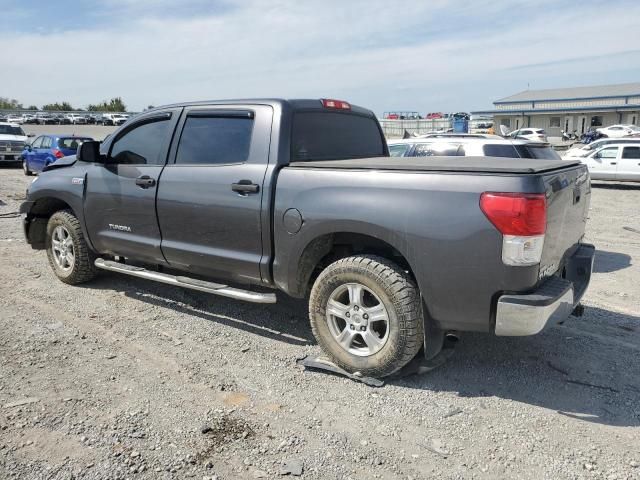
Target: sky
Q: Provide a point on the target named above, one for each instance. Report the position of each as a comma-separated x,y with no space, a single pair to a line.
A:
425,56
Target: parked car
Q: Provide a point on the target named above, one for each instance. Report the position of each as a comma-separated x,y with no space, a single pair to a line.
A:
76,119
15,119
12,141
617,131
434,115
580,150
471,146
616,161
533,134
46,149
326,215
31,119
46,119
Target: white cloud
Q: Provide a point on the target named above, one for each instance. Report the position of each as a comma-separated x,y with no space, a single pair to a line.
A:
385,55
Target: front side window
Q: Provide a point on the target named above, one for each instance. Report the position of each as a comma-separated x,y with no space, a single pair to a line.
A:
215,140
631,152
46,142
37,143
609,152
142,145
398,150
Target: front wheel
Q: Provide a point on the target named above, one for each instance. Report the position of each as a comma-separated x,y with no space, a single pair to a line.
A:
366,315
67,250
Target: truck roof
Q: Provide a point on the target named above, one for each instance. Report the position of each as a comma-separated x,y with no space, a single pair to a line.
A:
294,104
444,164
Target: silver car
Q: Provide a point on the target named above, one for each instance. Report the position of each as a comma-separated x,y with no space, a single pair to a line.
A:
615,161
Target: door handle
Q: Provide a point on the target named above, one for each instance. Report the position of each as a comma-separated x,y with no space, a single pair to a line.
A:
245,187
614,163
145,181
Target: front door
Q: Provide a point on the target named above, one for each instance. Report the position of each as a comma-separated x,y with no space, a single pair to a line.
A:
603,164
30,154
211,193
629,164
120,211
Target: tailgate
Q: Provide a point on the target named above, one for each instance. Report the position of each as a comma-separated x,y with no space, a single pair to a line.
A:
568,194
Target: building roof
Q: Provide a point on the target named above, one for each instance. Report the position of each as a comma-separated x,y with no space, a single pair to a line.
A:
597,91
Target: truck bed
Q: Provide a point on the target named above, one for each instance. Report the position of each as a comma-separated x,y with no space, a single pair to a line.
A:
444,164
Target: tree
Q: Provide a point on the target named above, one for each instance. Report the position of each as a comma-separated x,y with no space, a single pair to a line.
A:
60,107
10,104
32,107
114,105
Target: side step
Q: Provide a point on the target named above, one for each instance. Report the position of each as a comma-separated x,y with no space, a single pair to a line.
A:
186,282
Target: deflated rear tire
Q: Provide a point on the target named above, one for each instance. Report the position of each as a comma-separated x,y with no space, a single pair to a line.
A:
366,315
67,250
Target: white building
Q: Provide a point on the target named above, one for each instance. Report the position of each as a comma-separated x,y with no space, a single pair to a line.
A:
568,109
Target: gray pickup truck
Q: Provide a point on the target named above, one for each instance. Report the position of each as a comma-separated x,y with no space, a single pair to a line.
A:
242,198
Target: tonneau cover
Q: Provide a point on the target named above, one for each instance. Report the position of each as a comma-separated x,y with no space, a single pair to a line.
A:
444,164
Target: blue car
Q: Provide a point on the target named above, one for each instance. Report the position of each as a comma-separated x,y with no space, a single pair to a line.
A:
46,149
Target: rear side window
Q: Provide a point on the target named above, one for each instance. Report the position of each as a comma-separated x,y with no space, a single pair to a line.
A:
437,149
496,150
46,142
530,151
334,136
142,145
631,152
215,140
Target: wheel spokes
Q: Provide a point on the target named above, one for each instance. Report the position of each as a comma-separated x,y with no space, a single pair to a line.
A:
377,314
345,338
337,309
356,294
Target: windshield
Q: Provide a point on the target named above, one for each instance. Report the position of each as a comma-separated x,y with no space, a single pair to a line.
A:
11,130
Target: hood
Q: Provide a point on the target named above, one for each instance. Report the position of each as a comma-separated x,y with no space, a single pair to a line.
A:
61,163
13,138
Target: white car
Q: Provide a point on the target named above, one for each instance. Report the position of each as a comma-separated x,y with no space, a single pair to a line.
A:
580,150
12,141
532,134
15,119
617,131
76,119
619,162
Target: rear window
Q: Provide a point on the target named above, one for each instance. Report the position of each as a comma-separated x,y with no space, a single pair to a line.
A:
72,143
398,150
438,149
334,136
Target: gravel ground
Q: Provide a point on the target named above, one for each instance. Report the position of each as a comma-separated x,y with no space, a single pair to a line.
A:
124,378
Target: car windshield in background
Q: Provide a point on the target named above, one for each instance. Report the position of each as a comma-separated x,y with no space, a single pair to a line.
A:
11,130
72,142
334,136
521,151
398,150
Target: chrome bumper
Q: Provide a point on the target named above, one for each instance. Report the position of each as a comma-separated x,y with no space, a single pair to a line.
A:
551,303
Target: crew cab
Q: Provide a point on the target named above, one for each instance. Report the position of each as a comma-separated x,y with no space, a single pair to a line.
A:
12,142
247,198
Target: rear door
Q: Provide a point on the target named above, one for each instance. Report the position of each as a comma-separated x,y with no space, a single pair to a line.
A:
210,195
629,164
120,198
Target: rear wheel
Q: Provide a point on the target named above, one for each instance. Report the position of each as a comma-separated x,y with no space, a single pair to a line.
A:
25,167
67,250
365,313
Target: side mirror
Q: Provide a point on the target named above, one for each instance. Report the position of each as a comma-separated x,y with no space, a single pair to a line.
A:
90,152
597,155
31,134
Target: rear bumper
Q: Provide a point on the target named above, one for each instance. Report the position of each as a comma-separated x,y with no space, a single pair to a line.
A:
551,303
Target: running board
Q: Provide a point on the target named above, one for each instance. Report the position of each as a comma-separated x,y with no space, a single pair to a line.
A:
186,282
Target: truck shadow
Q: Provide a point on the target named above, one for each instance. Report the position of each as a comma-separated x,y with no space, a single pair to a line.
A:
280,322
607,262
587,369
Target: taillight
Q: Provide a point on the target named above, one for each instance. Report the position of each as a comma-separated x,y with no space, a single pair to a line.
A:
522,220
339,104
57,153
